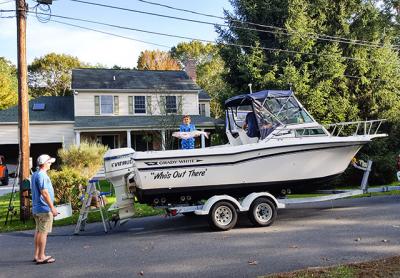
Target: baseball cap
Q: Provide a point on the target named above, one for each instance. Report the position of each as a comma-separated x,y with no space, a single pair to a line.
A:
44,158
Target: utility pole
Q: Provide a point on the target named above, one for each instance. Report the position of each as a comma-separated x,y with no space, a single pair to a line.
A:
23,108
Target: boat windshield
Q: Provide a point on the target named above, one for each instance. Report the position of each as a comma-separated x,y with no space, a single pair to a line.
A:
287,110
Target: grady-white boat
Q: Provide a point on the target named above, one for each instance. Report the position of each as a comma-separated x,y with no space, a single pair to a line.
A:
292,150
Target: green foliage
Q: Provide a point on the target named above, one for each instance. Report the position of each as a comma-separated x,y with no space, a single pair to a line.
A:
87,158
336,81
67,183
8,84
50,75
210,69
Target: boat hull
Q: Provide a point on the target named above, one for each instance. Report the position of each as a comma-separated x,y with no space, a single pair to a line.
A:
237,171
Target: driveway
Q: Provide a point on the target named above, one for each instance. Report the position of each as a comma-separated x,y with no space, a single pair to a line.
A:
317,234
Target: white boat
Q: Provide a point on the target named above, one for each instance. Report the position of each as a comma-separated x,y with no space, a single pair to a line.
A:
291,150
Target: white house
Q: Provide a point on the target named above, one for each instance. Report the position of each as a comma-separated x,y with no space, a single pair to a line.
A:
117,108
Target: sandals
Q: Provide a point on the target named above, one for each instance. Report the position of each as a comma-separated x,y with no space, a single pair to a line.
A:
48,260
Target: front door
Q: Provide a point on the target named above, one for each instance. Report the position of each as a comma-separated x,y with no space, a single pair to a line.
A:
111,141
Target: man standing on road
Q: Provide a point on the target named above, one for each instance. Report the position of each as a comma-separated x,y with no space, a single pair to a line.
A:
42,208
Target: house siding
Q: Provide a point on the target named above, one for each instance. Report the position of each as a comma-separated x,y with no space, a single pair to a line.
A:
39,133
84,102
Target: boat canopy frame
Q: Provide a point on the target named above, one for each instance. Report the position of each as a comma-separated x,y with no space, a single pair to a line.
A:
268,107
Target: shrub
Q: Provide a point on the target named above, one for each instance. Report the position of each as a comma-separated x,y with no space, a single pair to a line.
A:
87,158
66,183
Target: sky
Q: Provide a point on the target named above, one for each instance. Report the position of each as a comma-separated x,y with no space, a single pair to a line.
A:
96,48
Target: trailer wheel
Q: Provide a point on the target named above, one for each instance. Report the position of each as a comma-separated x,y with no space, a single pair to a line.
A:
262,212
223,216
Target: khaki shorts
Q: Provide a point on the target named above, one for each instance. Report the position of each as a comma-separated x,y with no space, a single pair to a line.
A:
44,222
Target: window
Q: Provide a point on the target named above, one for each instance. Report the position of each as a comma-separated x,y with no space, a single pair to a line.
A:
140,105
202,109
170,104
106,104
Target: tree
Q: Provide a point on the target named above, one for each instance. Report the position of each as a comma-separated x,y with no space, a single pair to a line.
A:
336,80
156,60
50,75
209,70
8,84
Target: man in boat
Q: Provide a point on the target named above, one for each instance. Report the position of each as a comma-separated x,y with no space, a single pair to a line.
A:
187,126
251,124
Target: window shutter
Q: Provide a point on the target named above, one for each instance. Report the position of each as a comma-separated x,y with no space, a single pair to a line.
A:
96,105
163,105
179,105
148,105
116,105
130,104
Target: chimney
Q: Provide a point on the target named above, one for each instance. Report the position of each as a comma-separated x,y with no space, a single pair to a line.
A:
190,68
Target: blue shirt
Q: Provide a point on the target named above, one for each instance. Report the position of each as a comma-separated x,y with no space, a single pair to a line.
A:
252,125
40,180
187,144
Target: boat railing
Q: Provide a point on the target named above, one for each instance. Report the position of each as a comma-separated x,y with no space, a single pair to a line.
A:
355,128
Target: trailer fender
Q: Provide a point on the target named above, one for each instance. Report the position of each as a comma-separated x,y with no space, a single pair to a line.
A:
210,202
246,203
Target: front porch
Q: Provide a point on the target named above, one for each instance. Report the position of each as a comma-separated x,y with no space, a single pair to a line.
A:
139,140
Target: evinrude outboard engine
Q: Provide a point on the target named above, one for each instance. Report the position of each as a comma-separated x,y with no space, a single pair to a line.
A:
119,170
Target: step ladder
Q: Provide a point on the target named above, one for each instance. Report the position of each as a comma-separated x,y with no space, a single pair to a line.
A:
91,193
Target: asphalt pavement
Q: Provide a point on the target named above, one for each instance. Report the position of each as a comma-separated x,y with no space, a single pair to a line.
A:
309,235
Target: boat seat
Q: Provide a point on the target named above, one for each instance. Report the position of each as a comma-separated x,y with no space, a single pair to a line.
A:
245,138
234,140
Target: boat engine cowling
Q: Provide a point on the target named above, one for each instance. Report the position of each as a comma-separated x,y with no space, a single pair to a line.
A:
119,167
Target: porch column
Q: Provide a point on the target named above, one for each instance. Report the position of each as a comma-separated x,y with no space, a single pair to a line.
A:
163,139
128,139
77,138
203,140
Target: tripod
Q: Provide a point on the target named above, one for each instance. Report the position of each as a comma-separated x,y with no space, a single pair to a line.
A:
11,210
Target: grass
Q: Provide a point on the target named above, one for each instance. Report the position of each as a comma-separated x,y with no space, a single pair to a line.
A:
17,225
389,267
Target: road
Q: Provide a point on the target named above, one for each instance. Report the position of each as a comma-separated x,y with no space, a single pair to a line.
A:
317,234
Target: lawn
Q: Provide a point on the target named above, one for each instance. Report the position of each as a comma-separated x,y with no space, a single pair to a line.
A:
17,225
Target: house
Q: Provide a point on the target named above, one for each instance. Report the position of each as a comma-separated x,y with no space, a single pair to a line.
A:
118,108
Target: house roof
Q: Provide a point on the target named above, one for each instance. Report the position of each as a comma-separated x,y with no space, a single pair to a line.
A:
203,95
115,122
55,109
98,79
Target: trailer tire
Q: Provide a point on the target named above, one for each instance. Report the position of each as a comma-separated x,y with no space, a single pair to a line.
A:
262,212
223,216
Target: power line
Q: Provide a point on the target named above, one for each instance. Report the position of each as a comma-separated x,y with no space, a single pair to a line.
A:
316,35
203,40
165,46
5,2
108,33
7,11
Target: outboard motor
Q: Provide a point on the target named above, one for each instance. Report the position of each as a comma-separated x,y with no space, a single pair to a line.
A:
119,170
